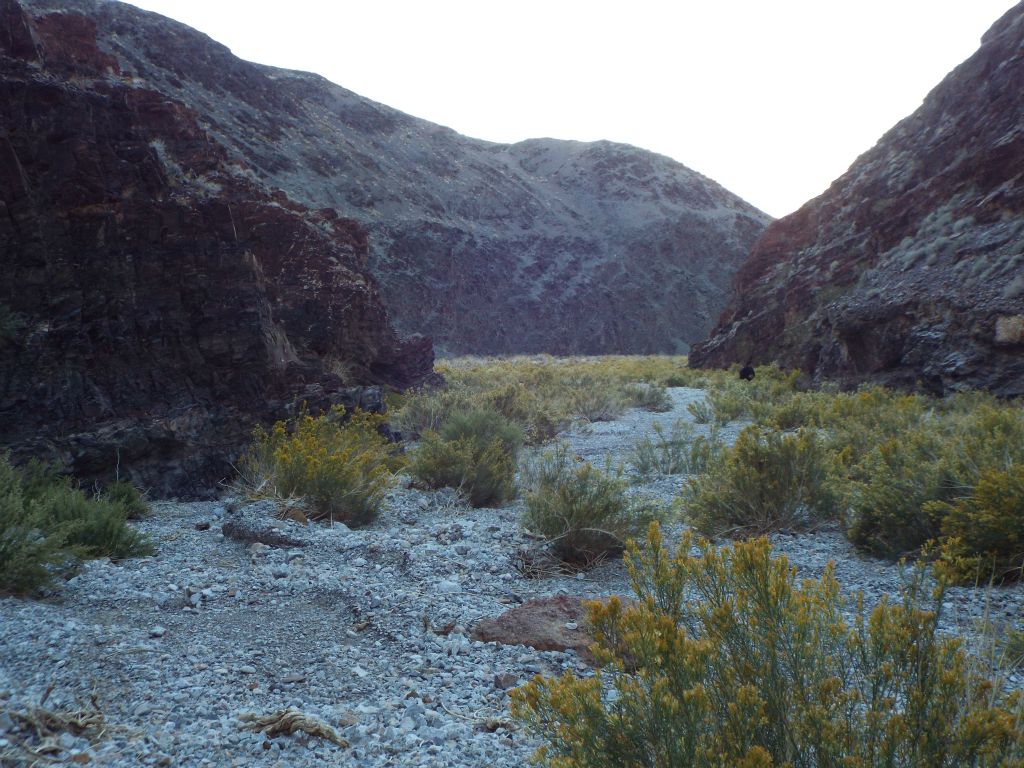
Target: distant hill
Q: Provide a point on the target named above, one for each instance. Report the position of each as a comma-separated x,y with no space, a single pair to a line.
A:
545,245
910,268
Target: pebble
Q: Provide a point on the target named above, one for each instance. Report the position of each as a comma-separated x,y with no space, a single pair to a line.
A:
257,629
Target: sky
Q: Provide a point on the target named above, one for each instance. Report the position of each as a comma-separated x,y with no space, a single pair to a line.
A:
772,99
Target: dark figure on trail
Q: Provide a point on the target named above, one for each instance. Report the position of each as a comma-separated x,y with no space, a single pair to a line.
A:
747,372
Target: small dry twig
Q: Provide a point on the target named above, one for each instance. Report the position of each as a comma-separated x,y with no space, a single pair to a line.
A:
285,722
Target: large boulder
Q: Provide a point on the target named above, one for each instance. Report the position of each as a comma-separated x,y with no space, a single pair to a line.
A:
910,268
156,298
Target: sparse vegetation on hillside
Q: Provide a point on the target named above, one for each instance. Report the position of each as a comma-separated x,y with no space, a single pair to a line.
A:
725,659
47,525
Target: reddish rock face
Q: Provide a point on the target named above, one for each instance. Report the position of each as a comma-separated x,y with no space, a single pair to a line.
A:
910,268
541,246
547,624
156,300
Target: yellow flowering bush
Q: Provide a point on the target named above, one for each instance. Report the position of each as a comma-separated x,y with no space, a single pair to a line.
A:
340,469
724,659
983,534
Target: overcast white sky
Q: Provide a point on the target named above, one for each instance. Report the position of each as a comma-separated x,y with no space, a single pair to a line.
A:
773,99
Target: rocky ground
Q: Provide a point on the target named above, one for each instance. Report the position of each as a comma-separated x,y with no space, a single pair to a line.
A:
369,631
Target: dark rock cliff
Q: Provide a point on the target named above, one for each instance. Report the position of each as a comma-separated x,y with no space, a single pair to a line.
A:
910,268
545,245
156,300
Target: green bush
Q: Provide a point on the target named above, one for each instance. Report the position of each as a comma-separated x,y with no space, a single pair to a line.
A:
724,659
47,525
127,496
768,480
584,513
525,408
983,534
595,401
681,451
339,469
888,512
649,396
475,452
702,411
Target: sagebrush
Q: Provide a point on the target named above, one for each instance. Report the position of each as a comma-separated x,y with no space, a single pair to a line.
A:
583,512
476,452
725,659
338,466
48,525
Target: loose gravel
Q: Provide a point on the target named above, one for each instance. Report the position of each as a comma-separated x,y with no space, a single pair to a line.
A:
366,630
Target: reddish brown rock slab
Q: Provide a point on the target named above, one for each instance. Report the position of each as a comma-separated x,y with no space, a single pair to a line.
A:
548,624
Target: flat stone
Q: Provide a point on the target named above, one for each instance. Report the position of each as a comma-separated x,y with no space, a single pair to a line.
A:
547,624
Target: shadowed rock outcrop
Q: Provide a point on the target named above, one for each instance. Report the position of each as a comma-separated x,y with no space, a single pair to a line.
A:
156,298
910,268
545,245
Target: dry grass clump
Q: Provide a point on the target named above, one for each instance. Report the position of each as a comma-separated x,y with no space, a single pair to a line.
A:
679,451
340,469
48,525
725,659
583,513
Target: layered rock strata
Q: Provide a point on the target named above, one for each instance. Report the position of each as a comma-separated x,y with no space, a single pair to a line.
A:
542,246
910,268
156,298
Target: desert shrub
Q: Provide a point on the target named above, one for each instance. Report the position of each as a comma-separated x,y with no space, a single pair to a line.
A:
525,408
905,485
594,401
340,469
680,451
888,513
724,659
1012,649
983,534
475,452
766,481
564,388
47,525
127,496
649,396
584,513
32,550
483,426
425,410
702,411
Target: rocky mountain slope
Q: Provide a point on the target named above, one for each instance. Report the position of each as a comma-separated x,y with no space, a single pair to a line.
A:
911,266
155,299
546,245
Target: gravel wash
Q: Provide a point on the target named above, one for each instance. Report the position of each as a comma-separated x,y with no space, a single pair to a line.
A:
366,630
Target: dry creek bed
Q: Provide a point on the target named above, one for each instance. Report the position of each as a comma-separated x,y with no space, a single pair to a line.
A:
366,630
